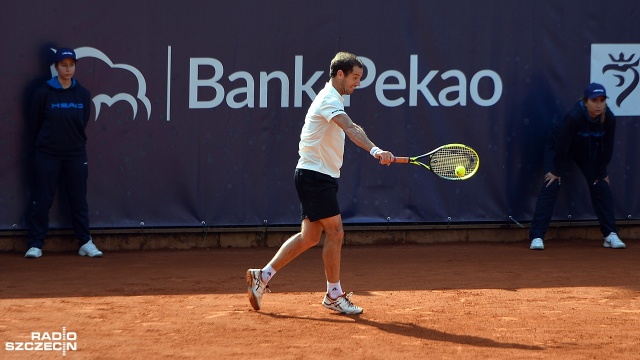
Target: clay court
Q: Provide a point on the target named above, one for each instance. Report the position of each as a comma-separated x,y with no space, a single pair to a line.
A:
465,300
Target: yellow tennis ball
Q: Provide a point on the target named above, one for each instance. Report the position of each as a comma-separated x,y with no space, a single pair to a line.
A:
460,171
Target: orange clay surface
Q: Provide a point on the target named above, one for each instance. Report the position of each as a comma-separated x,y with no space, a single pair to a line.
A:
574,300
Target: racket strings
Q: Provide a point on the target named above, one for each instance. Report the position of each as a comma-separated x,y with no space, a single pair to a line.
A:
445,161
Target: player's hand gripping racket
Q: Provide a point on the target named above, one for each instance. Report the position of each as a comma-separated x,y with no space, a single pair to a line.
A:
450,162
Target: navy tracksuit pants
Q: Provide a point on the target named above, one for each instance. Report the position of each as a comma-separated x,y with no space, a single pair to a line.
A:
50,170
601,200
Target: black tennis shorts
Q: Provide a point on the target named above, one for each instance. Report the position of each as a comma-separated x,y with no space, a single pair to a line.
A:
318,194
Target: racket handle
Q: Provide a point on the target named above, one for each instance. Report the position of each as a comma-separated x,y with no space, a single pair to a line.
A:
401,159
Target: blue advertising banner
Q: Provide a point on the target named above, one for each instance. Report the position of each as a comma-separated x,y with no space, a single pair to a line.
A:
197,107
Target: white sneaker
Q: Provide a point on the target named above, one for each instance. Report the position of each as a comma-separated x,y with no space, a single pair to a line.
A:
537,244
33,253
341,304
614,242
255,287
90,250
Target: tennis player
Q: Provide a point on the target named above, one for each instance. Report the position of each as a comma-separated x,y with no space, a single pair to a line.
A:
321,150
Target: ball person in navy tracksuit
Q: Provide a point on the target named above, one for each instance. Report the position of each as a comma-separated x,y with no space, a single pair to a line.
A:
59,115
585,136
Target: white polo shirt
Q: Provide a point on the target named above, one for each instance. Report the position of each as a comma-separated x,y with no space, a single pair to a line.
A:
321,145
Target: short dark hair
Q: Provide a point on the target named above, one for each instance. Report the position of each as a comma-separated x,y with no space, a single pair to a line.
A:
344,61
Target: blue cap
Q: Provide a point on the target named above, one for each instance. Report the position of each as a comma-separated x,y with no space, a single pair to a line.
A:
65,53
594,90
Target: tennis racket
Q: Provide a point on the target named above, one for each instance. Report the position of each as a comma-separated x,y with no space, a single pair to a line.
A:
450,162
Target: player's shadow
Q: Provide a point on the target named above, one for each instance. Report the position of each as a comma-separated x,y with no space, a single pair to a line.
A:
415,331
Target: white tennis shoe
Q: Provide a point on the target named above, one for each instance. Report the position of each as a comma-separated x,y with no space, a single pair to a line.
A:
613,241
537,244
33,253
342,304
89,249
255,287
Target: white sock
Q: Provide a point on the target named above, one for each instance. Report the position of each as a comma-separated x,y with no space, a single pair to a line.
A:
334,289
267,273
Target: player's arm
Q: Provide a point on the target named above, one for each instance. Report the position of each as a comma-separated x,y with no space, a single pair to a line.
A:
360,138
